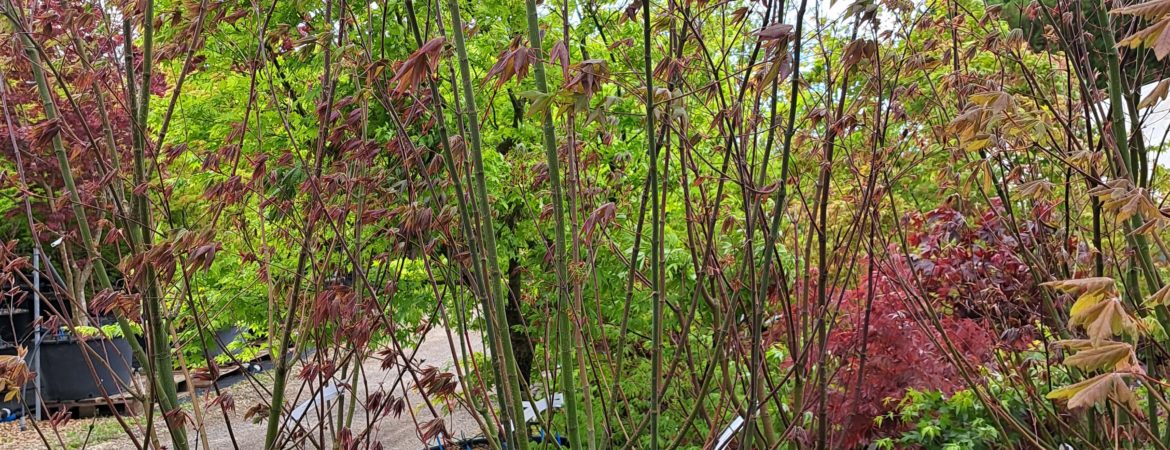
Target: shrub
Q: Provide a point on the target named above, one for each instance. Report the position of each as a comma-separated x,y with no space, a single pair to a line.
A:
970,274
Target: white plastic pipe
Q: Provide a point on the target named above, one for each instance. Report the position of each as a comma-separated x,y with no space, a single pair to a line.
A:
728,433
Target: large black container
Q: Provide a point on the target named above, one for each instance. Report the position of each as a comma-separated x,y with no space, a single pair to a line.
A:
224,337
15,325
66,376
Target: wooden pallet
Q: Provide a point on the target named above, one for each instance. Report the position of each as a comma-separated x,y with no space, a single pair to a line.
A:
224,370
203,383
123,404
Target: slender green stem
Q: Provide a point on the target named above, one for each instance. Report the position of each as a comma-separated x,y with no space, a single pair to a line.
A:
460,200
169,398
778,208
513,411
280,378
655,225
564,330
159,342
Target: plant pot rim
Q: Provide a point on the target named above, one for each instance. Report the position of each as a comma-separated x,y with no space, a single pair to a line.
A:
69,338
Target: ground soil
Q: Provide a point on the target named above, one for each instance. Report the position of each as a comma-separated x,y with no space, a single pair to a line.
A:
393,433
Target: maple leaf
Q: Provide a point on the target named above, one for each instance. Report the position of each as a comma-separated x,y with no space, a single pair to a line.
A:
1086,301
1082,286
739,14
43,132
540,102
1112,355
1156,95
560,54
1162,297
775,32
14,374
1098,308
587,77
1156,36
1150,227
1102,318
1112,188
1125,200
1137,203
1036,189
1073,344
600,217
859,50
513,62
1097,390
225,401
420,65
1148,10
433,429
995,101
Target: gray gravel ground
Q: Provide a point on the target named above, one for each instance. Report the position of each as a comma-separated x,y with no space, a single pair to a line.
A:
393,433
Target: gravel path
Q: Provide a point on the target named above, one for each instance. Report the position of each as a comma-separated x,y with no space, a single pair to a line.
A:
393,433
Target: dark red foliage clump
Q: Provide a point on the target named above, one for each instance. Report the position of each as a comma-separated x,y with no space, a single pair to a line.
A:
902,350
79,59
970,276
977,270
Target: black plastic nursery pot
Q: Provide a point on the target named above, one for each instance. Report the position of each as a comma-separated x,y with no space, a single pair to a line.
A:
66,375
224,337
15,324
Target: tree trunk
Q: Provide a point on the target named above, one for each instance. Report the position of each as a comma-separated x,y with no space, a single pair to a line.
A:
521,345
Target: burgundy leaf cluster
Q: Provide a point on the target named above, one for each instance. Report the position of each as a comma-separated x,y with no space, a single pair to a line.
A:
970,273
